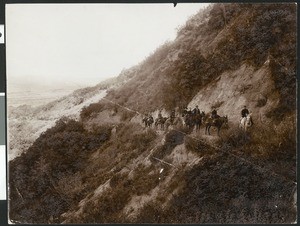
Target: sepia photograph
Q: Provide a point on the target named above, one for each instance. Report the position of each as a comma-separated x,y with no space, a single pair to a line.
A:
178,113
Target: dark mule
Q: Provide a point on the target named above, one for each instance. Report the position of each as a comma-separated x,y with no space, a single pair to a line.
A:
160,121
216,122
198,120
148,121
191,120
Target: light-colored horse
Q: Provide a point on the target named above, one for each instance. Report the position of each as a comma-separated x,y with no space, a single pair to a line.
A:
246,122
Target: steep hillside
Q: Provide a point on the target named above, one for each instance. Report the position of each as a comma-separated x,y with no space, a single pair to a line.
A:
233,89
104,166
213,42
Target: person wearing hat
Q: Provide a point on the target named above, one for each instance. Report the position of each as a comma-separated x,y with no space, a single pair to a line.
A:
185,111
214,114
159,114
196,111
172,115
244,112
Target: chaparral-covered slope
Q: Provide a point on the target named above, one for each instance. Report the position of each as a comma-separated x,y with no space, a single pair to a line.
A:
107,168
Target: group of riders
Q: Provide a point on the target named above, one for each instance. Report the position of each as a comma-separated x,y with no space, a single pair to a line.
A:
190,117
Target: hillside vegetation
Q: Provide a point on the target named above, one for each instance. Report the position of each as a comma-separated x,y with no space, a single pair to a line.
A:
220,39
105,167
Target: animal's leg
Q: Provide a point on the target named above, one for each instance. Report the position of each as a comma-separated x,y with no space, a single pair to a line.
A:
207,130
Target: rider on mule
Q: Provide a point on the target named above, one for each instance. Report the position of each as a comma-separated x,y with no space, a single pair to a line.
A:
150,119
245,112
159,114
214,115
160,118
172,116
185,111
196,111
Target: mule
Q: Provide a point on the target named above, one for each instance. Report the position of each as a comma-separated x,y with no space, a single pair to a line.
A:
216,122
192,120
198,120
188,121
148,121
160,121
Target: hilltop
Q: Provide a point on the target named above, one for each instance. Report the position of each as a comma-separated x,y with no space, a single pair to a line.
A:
101,165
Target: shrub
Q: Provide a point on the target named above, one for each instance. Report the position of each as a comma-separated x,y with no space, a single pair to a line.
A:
233,138
275,141
94,108
262,101
141,141
41,174
150,213
143,182
224,189
172,139
198,146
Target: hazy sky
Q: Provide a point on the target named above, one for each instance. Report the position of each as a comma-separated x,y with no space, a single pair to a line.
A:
85,43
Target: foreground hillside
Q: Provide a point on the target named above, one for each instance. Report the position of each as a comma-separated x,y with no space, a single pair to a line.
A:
104,166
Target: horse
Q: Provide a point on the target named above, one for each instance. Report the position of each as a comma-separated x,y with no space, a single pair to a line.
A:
246,122
216,122
188,120
191,120
148,121
198,120
160,121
